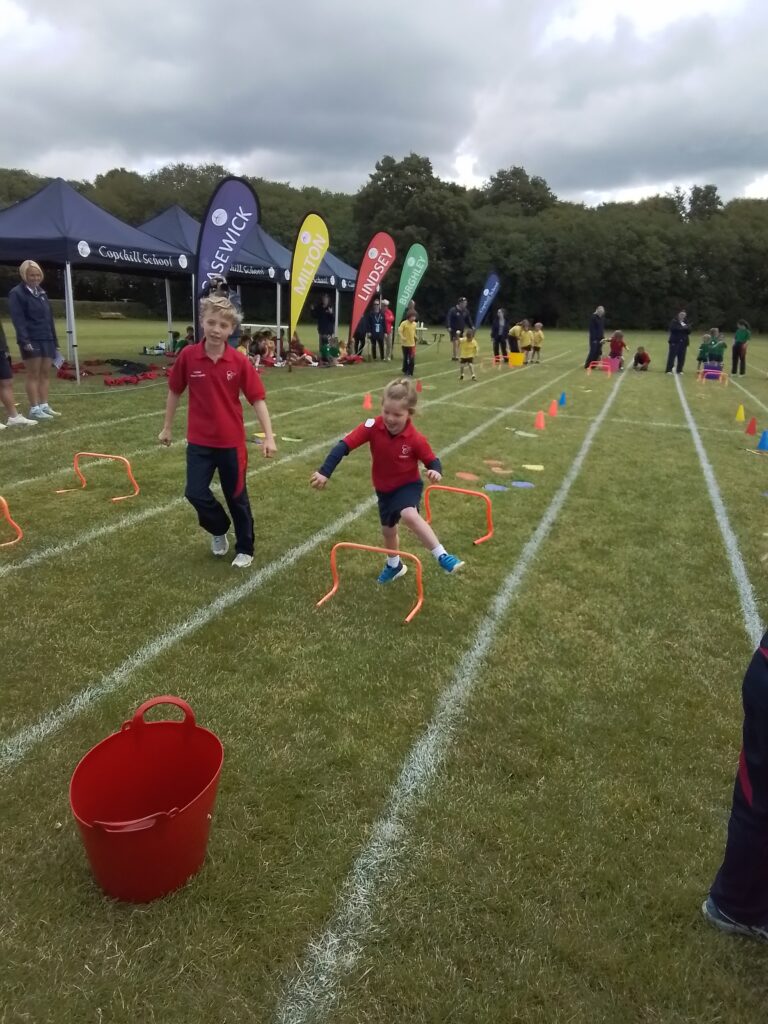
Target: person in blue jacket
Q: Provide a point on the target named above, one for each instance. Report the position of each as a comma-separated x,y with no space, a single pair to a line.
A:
32,319
679,338
376,329
458,320
499,332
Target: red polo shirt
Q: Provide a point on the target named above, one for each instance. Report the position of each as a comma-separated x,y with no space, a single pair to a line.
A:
395,460
215,417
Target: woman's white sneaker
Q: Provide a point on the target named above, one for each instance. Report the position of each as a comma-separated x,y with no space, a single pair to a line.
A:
242,561
49,410
20,421
37,412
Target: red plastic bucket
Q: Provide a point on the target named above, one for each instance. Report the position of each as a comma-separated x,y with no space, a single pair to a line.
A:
143,800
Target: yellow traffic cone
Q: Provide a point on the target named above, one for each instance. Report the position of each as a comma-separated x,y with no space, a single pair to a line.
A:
740,415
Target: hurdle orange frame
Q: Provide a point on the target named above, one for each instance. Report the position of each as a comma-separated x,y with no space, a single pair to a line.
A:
712,374
382,551
7,516
102,455
462,490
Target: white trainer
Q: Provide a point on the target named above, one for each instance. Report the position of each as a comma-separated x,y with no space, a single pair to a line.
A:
2,426
219,545
242,561
20,421
51,412
39,413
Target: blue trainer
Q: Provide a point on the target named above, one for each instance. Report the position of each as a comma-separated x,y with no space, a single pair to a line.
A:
449,562
721,920
392,572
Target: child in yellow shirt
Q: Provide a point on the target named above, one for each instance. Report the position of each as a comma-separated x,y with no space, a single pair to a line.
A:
538,341
407,335
467,353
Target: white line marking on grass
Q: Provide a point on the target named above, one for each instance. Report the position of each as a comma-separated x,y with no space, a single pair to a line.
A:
752,622
16,747
45,434
754,398
97,533
311,994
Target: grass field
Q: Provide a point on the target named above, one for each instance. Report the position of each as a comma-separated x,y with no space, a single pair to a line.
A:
508,811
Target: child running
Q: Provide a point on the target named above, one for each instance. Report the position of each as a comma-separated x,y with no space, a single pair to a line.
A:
467,353
618,347
215,374
396,450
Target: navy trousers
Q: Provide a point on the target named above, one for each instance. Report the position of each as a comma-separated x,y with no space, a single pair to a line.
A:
741,886
677,351
595,353
231,464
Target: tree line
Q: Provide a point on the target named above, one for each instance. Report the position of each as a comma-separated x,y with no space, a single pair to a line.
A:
557,260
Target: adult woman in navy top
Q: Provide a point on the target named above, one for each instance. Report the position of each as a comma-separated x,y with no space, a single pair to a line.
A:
499,332
36,336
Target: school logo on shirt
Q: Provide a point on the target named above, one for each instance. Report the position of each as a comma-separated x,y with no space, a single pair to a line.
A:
405,452
231,374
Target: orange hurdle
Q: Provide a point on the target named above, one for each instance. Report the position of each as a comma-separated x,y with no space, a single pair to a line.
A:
462,490
101,455
381,551
7,516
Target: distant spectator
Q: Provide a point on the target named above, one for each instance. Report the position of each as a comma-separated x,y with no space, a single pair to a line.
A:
679,338
389,323
458,320
189,337
36,336
740,341
323,315
499,332
596,336
407,331
376,329
359,335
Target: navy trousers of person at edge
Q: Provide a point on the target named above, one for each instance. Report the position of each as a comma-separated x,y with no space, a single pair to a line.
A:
202,463
741,887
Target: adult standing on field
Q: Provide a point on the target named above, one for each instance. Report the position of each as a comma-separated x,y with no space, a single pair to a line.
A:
36,336
458,320
499,332
596,336
740,340
679,337
323,315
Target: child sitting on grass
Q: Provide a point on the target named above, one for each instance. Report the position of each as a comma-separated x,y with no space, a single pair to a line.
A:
396,450
642,360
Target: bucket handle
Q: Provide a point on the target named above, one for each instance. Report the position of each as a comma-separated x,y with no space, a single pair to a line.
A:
138,715
139,824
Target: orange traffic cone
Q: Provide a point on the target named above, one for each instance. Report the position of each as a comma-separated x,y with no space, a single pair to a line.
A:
751,427
419,386
538,423
368,401
553,408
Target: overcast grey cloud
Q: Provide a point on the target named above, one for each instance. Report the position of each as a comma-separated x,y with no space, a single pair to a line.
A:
600,97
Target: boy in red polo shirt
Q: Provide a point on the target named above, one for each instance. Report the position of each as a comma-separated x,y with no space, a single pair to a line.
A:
397,448
215,374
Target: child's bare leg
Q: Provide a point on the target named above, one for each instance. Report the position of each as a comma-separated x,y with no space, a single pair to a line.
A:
423,531
391,538
6,397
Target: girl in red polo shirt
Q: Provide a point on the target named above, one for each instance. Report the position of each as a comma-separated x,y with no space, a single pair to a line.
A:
396,450
215,374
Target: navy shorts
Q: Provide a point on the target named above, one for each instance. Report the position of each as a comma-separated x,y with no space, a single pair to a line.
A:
39,350
392,503
6,373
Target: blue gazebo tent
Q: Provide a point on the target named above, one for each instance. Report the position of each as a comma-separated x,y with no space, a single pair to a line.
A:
59,226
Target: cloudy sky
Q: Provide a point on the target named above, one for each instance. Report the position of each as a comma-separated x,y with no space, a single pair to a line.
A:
603,98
